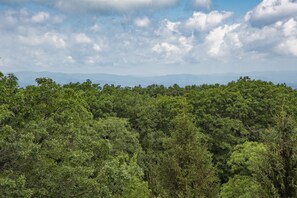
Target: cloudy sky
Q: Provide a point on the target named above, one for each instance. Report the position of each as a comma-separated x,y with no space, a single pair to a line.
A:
148,37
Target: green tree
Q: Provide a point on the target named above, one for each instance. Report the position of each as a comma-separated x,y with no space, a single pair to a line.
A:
187,169
248,168
242,187
271,164
281,141
121,176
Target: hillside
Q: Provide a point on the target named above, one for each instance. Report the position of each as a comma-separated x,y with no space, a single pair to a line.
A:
28,78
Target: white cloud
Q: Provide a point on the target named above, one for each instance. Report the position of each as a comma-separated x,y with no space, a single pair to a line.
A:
170,44
54,39
180,47
22,17
202,3
290,28
69,59
223,38
168,29
186,43
48,38
100,5
111,5
113,44
166,48
142,22
278,39
172,26
289,46
203,22
40,17
97,47
270,11
95,28
82,38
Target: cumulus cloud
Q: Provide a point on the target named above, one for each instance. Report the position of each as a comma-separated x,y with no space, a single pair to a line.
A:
100,5
97,47
202,22
289,46
168,29
270,11
13,1
48,38
166,48
171,45
142,22
171,26
107,41
69,59
15,18
181,46
40,17
201,3
186,43
82,38
95,28
223,38
290,27
279,38
111,5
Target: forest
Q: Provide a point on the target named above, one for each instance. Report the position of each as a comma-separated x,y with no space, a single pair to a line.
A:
237,140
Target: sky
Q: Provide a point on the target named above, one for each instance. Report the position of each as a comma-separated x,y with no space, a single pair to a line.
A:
148,37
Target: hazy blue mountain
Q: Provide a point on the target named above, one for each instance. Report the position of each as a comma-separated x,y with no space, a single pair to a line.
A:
28,78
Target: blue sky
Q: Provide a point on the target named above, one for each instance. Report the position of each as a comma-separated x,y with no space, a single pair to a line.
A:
148,37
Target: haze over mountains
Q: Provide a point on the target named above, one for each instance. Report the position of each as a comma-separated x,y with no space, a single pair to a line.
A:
28,78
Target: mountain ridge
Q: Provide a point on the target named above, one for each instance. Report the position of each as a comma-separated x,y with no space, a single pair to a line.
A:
28,78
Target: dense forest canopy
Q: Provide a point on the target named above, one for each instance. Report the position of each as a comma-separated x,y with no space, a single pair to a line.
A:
87,140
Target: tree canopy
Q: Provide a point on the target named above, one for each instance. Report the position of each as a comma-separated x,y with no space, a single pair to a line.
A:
88,140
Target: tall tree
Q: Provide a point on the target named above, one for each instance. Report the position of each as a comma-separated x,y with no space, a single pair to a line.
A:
271,166
187,169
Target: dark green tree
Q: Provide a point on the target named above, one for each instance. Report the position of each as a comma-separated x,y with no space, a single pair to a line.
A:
187,169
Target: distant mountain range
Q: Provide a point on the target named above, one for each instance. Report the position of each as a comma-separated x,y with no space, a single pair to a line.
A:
28,78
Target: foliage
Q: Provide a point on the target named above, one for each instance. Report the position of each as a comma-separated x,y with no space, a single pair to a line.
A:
87,140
